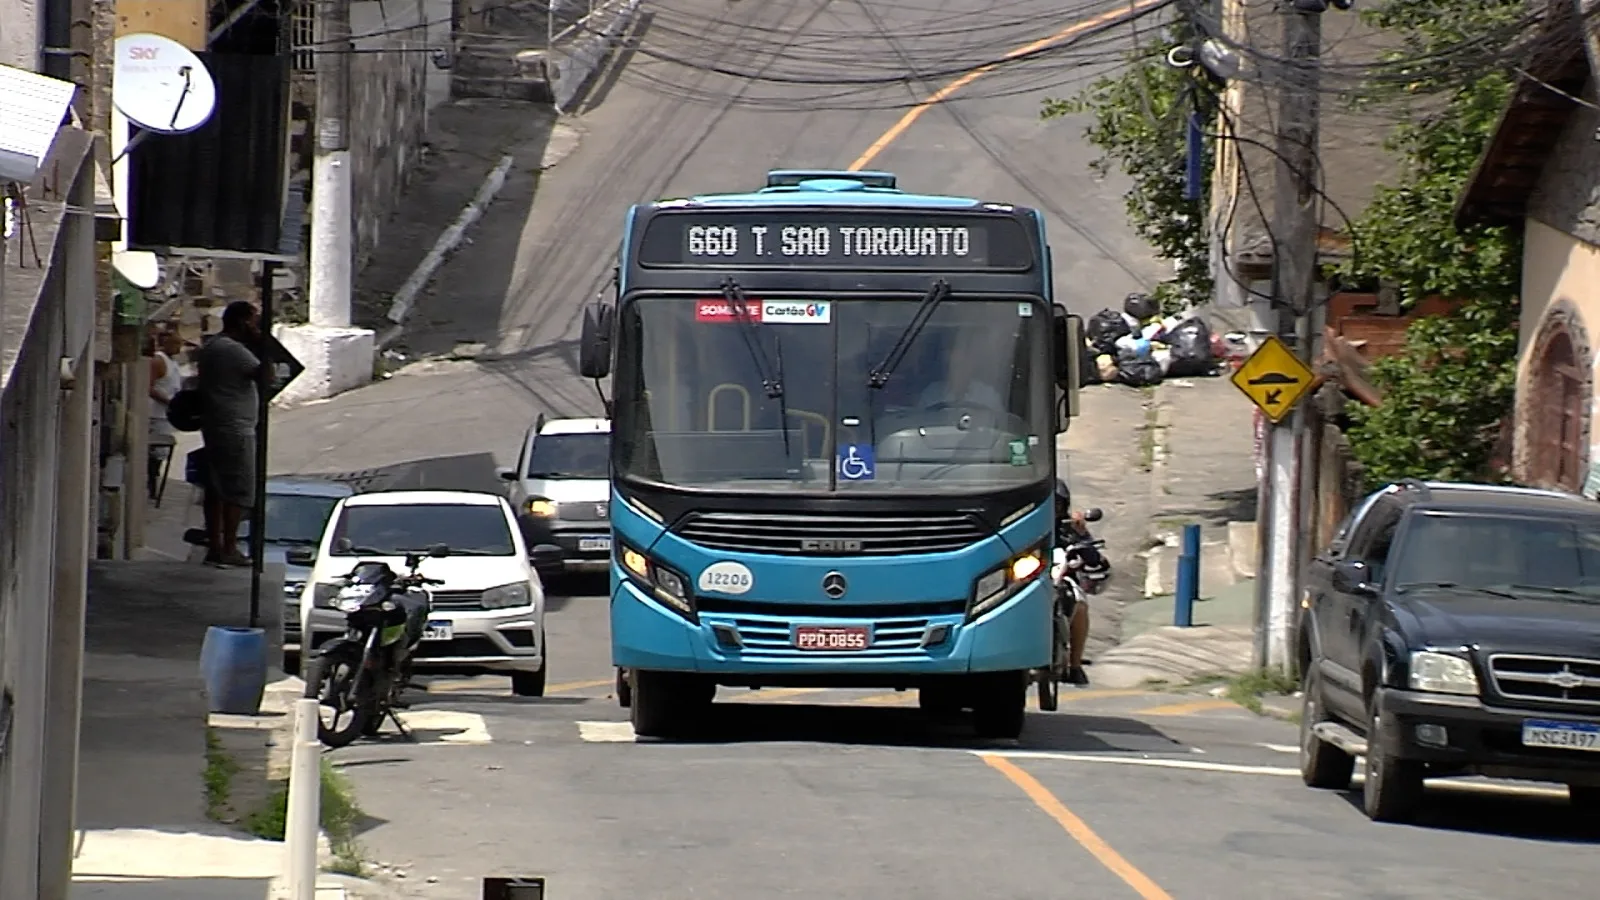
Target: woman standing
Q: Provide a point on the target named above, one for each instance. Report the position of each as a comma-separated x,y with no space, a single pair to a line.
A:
165,380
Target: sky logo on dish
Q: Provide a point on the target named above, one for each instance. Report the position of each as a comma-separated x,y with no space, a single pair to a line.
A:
791,312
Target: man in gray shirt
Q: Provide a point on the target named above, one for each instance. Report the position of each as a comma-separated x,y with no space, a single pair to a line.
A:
229,374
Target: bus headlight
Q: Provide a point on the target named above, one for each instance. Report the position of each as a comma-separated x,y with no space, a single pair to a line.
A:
997,585
664,583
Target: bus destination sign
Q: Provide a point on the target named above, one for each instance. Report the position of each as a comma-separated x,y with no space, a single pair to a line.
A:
836,239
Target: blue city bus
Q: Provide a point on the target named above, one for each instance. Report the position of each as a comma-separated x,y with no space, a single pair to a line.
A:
834,407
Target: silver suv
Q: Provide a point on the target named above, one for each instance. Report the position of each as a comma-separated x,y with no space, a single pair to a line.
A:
561,489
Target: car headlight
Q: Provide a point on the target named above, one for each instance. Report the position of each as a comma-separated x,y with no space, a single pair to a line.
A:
508,595
293,589
1442,673
664,583
997,585
539,507
323,594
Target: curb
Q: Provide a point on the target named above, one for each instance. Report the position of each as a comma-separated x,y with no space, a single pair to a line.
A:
572,68
405,298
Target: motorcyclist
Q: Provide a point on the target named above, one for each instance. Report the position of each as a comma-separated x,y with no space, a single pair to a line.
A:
1073,527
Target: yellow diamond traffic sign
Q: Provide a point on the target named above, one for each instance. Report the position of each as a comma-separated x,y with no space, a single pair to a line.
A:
1274,378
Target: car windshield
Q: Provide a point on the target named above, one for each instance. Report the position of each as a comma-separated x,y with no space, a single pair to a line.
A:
570,456
1522,555
294,518
394,530
705,399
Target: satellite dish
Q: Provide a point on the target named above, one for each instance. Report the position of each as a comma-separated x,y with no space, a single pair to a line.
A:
141,267
160,86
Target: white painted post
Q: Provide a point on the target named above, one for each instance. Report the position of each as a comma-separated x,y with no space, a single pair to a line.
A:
303,820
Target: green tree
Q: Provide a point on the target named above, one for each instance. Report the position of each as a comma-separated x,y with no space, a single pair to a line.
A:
1450,388
1138,120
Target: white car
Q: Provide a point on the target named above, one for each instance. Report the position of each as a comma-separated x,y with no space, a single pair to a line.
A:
488,616
561,488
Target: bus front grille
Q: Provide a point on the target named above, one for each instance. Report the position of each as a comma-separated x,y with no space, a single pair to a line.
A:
807,534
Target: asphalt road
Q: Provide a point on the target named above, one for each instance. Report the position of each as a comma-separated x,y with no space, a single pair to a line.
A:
831,793
855,794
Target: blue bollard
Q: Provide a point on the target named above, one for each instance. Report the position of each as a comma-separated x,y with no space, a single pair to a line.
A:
233,662
1187,590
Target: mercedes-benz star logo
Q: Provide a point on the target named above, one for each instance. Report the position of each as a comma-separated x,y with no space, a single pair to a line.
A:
834,585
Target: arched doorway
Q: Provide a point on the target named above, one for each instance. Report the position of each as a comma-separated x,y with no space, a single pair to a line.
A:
1558,414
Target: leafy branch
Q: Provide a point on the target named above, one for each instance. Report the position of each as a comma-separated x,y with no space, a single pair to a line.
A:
1448,391
1138,120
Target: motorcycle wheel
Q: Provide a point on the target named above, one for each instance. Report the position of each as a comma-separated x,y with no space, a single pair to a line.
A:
335,682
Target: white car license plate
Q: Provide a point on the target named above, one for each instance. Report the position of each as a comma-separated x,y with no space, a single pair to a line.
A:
1561,735
439,630
594,543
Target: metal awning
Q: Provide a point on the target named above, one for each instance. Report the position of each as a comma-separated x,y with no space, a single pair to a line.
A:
34,107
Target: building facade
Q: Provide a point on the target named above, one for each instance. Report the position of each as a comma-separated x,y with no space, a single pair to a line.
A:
1541,174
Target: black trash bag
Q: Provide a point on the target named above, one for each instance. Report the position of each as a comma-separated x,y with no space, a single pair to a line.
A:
1139,372
1191,349
1104,328
1141,306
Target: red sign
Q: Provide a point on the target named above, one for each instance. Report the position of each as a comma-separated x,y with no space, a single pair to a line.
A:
720,310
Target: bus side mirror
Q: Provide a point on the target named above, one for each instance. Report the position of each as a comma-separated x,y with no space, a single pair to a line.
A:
1067,357
594,349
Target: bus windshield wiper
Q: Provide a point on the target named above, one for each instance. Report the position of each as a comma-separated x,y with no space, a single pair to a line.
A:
879,376
772,384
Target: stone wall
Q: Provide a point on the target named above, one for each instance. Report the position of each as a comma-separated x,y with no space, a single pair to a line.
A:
388,111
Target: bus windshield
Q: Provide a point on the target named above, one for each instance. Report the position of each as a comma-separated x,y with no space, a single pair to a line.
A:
782,399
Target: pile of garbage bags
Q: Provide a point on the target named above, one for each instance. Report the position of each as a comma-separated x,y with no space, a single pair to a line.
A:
1140,347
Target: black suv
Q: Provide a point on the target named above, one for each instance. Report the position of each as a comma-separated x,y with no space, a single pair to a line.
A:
1454,629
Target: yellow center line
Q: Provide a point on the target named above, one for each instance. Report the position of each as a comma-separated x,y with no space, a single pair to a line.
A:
1080,832
1066,696
1071,31
568,686
474,686
1189,708
771,694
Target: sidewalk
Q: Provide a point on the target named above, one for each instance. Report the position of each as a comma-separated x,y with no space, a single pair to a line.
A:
148,786
1202,472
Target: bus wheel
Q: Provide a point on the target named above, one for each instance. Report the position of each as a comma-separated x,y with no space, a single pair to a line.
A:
1000,703
667,704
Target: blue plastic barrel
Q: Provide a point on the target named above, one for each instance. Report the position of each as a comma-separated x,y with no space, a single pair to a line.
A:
233,662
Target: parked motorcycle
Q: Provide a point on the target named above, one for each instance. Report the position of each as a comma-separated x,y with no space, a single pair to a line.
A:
1077,569
362,673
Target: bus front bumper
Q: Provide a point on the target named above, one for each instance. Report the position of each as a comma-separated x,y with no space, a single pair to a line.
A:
748,646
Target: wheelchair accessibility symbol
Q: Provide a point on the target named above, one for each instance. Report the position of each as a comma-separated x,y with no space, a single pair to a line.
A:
855,462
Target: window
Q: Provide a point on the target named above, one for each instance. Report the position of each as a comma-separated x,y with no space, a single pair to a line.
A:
385,530
1375,537
294,518
570,456
1509,553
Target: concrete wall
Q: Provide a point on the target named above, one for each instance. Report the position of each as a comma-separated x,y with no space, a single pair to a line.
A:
46,317
388,110
20,21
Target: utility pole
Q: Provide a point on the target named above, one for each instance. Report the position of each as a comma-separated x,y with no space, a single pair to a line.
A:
331,252
1295,227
